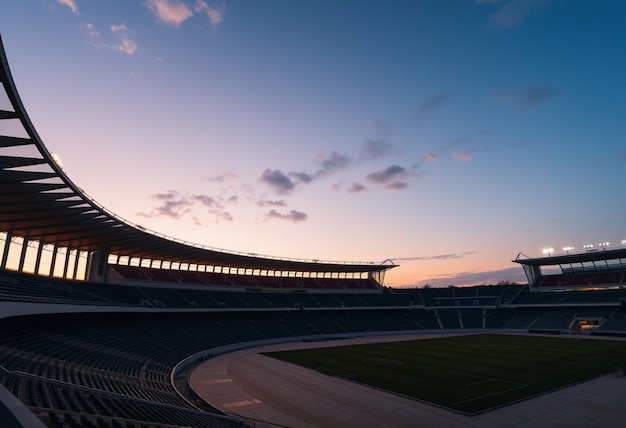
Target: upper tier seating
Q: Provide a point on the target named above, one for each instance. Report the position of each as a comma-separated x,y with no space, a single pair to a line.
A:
143,274
608,297
586,279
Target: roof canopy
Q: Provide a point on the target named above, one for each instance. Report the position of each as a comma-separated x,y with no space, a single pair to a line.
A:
39,202
569,259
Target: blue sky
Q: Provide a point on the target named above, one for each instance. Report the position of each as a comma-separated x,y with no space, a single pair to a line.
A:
446,135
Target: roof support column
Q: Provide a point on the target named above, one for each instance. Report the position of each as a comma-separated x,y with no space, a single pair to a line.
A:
66,263
5,251
53,262
20,267
76,263
38,257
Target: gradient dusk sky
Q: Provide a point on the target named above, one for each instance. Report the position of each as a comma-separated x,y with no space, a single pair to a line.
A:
446,135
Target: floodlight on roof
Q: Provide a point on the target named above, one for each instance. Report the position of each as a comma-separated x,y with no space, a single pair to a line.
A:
568,249
57,160
623,241
604,244
588,246
548,251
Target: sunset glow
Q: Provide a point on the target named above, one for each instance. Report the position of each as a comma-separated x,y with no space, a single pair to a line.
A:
447,136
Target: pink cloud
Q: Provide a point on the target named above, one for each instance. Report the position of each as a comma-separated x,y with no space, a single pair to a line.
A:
171,12
215,15
71,4
126,44
429,157
91,29
464,156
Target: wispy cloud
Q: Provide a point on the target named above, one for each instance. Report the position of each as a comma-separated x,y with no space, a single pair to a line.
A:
375,149
463,156
278,181
393,177
292,216
512,12
433,103
450,256
176,205
123,43
171,12
352,187
428,157
215,14
379,127
326,165
171,204
491,277
71,4
271,203
356,188
302,177
332,163
222,177
91,30
175,12
528,97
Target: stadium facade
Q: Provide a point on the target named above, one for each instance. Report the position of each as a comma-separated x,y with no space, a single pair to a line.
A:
101,320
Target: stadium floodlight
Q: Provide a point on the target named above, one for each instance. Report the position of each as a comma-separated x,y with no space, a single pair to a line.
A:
56,160
568,249
548,251
588,246
623,241
604,245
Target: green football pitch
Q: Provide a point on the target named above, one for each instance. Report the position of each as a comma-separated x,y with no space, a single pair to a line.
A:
470,373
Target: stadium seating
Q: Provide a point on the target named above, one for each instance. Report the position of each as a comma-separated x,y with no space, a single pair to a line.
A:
575,279
94,369
135,275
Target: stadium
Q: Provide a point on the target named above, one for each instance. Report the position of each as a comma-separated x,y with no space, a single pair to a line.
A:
107,324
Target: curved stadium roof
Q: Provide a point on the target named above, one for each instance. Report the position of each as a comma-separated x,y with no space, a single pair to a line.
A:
575,258
39,202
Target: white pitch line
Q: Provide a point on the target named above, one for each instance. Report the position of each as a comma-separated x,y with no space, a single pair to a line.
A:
521,385
483,381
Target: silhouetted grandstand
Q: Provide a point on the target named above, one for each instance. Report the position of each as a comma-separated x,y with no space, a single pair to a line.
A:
101,320
605,268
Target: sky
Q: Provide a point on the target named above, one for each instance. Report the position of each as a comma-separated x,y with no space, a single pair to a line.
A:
446,135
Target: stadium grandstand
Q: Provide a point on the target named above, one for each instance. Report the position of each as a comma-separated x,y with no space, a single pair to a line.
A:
593,268
102,321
